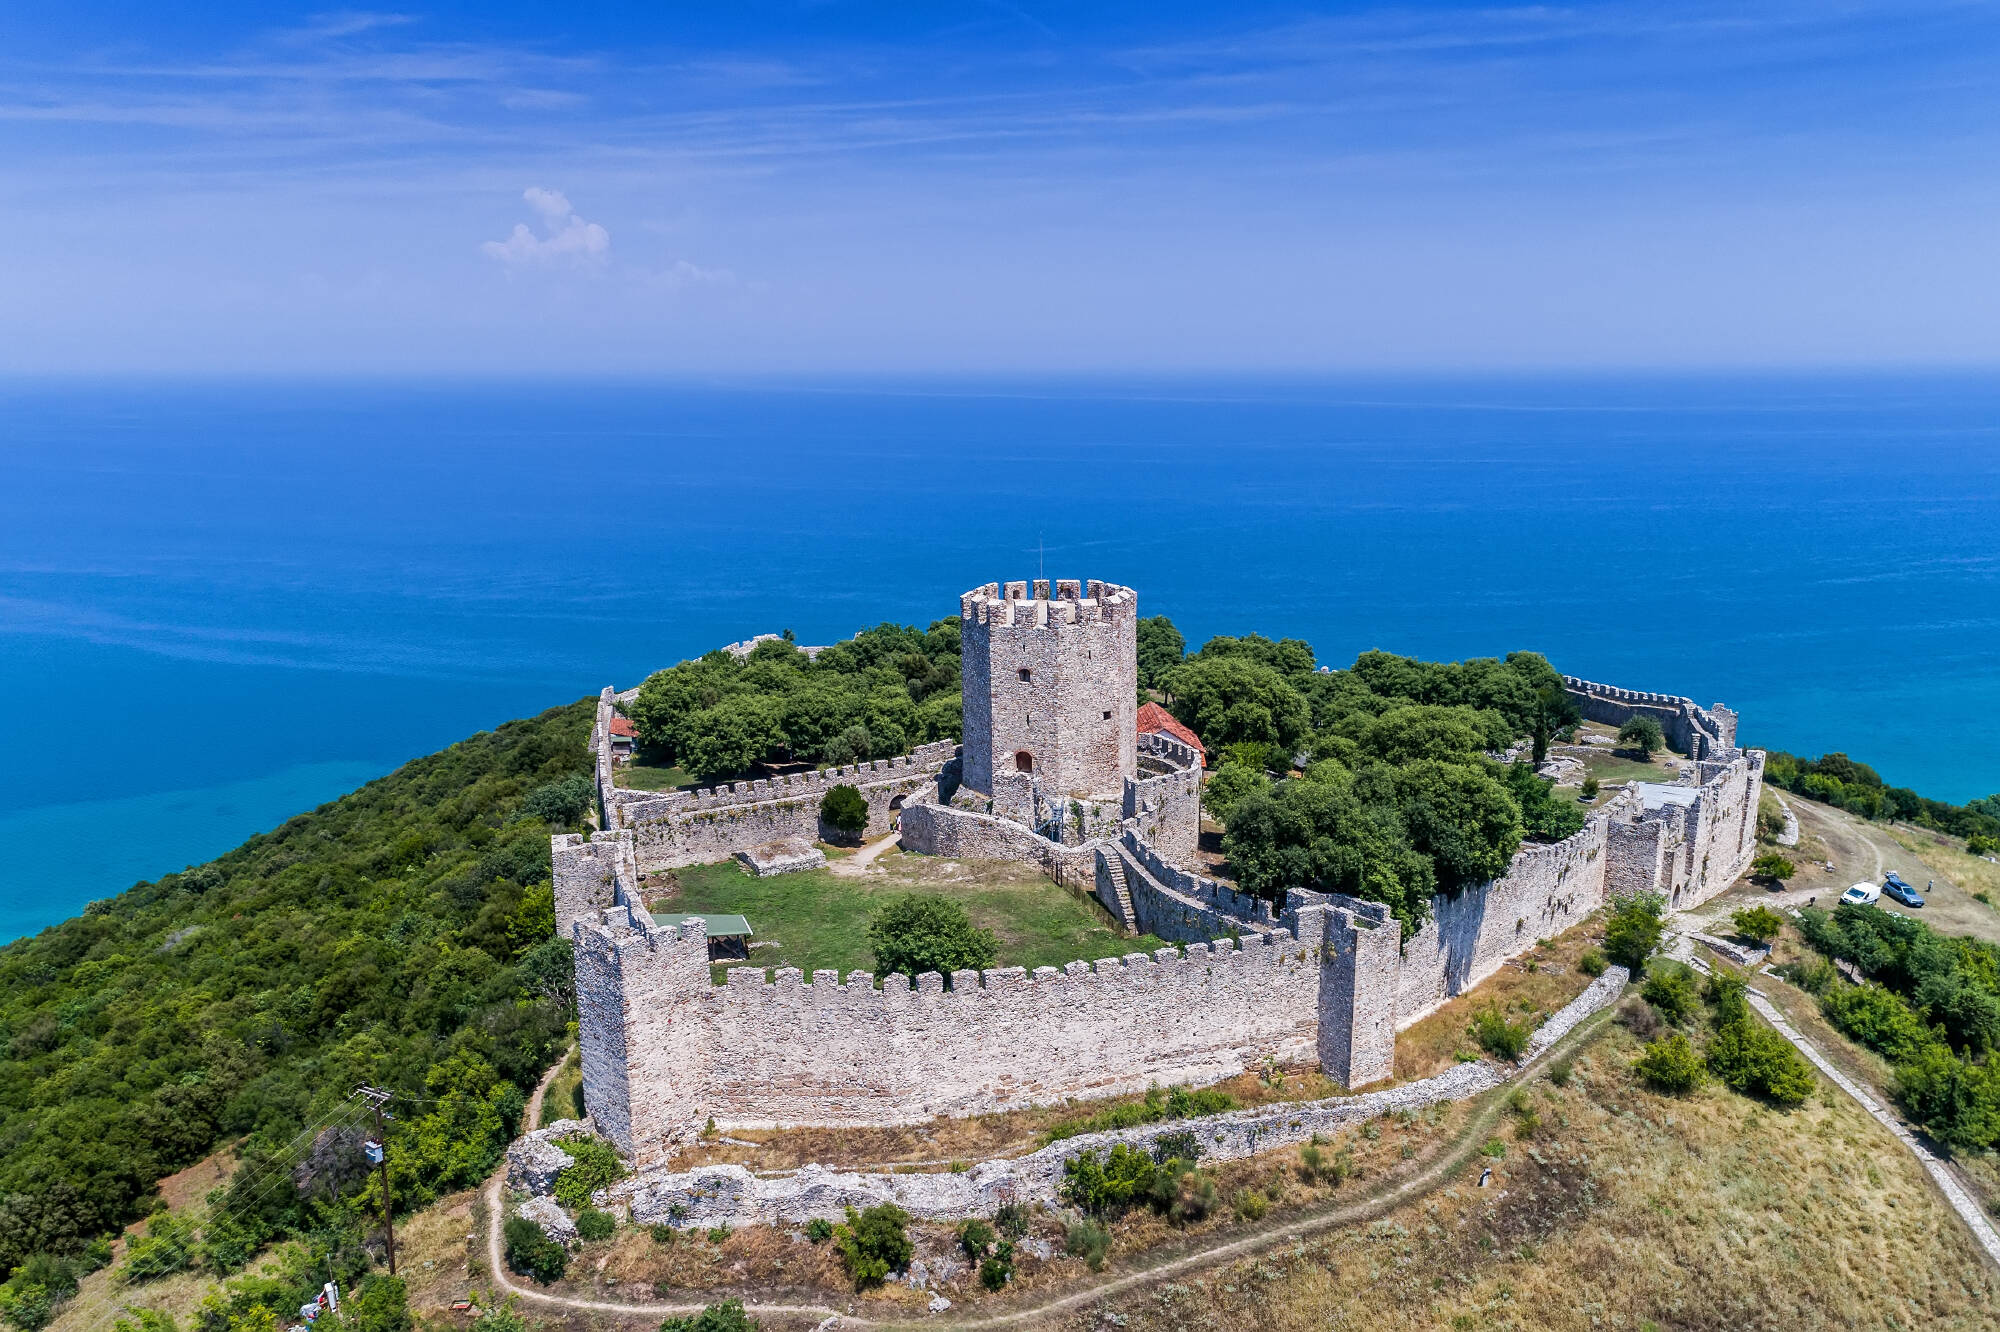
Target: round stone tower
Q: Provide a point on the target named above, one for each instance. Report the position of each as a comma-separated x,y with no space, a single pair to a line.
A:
1051,691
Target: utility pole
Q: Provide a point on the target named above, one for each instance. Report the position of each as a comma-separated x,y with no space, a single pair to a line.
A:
376,1099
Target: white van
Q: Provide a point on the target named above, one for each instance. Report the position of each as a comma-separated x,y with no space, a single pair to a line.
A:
1862,894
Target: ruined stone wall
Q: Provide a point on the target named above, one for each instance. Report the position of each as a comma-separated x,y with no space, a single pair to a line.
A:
641,1027
1547,889
585,873
1173,903
1694,731
1054,678
678,828
1356,1034
831,1053
1165,807
934,829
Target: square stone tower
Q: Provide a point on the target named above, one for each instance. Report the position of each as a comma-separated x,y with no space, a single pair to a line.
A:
1051,690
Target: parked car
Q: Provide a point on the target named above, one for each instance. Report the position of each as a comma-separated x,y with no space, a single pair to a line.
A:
1862,894
1902,892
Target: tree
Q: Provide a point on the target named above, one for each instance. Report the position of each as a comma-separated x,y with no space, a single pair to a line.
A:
916,934
1643,734
1757,922
874,1243
1161,648
1229,698
562,801
1316,833
1545,816
1670,989
1670,1065
845,810
1461,817
1634,930
1554,711
1226,787
1773,866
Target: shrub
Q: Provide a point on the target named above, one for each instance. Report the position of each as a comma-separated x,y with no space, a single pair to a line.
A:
819,1230
718,1235
1174,1103
1011,1219
1815,976
725,1317
38,1287
1639,1018
845,810
531,1253
1643,734
1637,922
662,1233
1089,1241
1105,1185
1670,1065
1877,1018
1725,992
380,1304
593,1164
1190,1195
1497,1036
975,1237
1591,787
1670,989
1250,1204
167,1246
874,1243
1559,1072
995,1271
919,933
1952,1097
1757,923
592,1224
1756,1060
1774,866
1591,962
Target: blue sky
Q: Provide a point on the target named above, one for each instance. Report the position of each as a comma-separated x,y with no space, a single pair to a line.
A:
1012,187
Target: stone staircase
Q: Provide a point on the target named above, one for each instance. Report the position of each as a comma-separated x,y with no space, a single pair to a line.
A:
1115,869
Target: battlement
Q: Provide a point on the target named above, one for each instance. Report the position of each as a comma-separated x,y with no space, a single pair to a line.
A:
924,759
1700,732
1074,602
1059,985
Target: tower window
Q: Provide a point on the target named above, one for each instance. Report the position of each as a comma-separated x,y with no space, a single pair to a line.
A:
1107,716
1025,674
1024,761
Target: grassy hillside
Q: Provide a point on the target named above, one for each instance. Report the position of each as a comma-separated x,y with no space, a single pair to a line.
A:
401,935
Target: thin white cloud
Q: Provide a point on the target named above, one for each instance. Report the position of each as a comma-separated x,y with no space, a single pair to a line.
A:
565,239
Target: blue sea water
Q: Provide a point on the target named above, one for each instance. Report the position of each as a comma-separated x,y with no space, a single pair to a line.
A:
223,603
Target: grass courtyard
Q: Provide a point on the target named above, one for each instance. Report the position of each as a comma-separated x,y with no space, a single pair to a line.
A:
818,918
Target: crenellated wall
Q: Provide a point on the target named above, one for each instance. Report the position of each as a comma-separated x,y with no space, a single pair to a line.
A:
1165,805
675,828
1547,889
1695,731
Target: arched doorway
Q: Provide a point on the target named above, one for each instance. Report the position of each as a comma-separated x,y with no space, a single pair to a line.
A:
1024,761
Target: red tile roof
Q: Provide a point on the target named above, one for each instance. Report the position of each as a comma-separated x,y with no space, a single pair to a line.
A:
1154,718
623,726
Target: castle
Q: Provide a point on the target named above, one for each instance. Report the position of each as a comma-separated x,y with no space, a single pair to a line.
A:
1052,772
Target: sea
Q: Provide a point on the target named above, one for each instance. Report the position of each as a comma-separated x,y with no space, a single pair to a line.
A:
222,603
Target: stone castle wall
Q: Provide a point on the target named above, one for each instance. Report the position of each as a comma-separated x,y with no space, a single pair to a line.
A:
1547,889
1695,731
678,828
1165,806
1053,678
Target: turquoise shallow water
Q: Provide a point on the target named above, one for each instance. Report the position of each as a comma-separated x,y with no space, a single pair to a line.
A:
224,603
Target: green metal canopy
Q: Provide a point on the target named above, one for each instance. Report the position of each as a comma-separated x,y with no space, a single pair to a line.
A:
719,926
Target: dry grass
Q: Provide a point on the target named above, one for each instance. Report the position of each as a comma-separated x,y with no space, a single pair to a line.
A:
1627,1210
1431,1046
942,1141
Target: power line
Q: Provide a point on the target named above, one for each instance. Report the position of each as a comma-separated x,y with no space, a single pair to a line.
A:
378,1098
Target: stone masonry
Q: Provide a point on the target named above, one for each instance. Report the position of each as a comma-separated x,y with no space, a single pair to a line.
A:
1318,976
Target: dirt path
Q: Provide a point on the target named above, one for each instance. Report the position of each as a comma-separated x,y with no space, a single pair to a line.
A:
856,865
1161,1266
